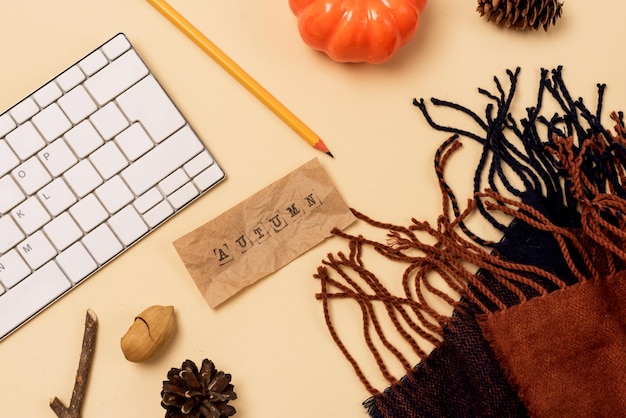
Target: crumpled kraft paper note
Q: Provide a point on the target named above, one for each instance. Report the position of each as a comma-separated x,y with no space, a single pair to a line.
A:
263,233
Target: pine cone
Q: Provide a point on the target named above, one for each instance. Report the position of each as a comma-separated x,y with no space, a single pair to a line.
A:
521,14
189,393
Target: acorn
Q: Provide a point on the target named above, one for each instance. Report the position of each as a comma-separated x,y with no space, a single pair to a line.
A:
149,332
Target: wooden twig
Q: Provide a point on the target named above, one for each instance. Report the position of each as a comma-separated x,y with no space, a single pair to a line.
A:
82,374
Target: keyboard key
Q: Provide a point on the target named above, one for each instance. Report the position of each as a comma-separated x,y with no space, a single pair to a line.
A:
109,121
173,181
157,114
57,196
88,213
47,94
10,194
31,175
30,215
108,160
76,262
116,77
162,160
147,200
93,62
134,141
158,214
10,234
114,194
8,159
208,177
116,46
24,110
128,225
77,104
182,196
51,122
31,295
70,78
84,139
57,157
36,250
102,244
198,163
82,178
25,140
13,269
7,124
62,231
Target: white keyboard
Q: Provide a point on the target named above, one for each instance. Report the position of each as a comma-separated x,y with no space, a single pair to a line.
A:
90,163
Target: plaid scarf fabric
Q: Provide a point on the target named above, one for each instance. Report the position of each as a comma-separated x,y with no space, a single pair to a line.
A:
539,328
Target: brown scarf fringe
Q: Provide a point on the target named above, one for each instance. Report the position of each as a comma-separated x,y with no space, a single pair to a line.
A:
451,253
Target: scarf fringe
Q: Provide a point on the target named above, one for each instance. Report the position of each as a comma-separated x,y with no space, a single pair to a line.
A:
572,188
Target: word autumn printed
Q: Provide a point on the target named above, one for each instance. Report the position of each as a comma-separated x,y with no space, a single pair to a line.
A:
278,222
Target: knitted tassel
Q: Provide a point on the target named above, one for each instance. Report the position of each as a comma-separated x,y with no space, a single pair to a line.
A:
566,206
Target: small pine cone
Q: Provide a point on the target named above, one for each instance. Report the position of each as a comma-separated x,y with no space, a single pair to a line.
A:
192,393
521,14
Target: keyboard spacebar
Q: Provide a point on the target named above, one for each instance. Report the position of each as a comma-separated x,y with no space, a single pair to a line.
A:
31,295
162,160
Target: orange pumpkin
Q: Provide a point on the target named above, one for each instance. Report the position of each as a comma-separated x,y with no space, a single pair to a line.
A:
357,30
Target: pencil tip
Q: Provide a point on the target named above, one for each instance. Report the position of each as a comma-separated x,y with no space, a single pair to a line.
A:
322,147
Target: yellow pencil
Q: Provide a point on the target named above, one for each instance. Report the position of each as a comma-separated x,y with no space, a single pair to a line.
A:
240,75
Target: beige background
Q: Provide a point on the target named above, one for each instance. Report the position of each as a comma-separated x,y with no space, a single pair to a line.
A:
271,337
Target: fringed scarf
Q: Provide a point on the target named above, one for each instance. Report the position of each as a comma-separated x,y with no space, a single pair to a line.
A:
540,325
